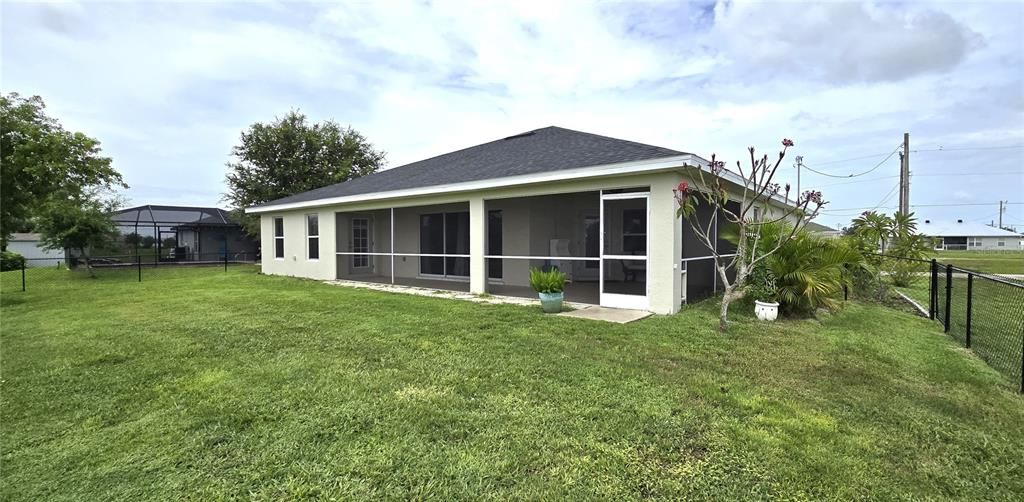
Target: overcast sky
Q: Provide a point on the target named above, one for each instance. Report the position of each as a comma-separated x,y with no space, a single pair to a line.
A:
168,87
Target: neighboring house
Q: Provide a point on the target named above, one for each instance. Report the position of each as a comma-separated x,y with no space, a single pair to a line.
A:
823,231
184,233
31,247
966,235
600,209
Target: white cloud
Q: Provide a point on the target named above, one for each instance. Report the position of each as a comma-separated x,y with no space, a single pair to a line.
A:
168,87
842,42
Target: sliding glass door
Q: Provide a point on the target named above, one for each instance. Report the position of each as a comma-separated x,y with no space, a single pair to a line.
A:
444,234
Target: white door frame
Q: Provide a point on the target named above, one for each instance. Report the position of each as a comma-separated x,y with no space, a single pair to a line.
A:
369,245
617,300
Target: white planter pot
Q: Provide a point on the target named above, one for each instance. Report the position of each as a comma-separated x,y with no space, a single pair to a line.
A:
766,311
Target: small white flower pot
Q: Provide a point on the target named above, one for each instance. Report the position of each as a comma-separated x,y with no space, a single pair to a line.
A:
766,311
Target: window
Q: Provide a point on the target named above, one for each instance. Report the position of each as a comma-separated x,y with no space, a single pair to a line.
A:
312,237
1002,242
360,242
634,231
444,233
279,238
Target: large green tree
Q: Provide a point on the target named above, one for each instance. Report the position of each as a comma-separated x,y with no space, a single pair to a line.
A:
39,159
291,155
80,224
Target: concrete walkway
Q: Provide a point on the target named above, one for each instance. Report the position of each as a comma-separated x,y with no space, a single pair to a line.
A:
618,316
449,295
580,310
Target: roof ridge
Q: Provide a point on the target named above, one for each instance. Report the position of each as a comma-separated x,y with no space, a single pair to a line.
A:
544,149
615,139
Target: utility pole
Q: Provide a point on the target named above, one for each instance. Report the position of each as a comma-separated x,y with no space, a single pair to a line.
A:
1001,209
799,163
905,175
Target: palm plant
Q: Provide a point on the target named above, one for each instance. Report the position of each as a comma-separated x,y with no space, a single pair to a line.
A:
810,271
874,229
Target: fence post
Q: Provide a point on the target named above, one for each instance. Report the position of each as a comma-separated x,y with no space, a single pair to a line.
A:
225,259
970,288
933,293
138,263
23,275
949,296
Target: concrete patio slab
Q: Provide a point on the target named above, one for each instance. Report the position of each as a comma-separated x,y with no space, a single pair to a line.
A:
595,313
440,292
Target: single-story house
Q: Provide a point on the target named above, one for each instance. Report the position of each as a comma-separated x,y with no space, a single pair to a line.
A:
30,246
965,235
184,233
600,209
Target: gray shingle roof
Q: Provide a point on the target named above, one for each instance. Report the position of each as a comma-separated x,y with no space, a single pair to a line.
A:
539,151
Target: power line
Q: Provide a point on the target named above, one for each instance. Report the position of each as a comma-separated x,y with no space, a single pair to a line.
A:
886,199
887,157
933,205
840,161
920,175
883,201
939,149
968,148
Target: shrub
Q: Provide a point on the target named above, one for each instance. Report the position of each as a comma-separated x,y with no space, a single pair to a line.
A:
761,285
810,271
552,281
9,260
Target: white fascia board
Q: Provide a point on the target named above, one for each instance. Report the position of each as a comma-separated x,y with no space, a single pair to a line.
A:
636,167
738,180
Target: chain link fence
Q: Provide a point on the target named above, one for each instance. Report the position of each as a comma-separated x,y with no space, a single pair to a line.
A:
55,273
982,311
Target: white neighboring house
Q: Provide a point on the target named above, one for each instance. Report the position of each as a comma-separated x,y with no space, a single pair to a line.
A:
31,247
974,236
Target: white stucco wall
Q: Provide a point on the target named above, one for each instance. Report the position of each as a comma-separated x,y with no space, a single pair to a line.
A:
663,278
36,255
295,262
992,243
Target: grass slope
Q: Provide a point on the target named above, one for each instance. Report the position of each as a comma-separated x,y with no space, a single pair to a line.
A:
208,384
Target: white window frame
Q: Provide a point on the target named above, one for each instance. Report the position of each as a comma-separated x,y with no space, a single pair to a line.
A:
279,237
309,237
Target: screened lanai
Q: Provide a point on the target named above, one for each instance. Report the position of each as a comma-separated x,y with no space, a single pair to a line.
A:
600,239
425,246
180,234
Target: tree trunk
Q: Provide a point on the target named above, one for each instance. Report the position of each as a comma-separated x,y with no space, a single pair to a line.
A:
88,266
728,297
723,315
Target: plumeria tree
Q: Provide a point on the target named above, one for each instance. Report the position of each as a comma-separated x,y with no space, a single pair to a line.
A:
753,190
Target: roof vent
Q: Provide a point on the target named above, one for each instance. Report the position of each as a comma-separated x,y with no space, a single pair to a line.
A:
959,221
523,135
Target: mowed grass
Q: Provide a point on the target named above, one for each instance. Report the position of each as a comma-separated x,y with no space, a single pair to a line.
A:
993,262
209,385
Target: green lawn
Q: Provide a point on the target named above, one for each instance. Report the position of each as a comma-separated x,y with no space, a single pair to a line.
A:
201,384
993,262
